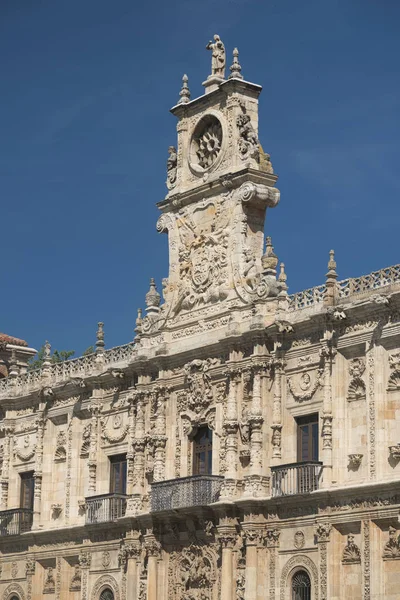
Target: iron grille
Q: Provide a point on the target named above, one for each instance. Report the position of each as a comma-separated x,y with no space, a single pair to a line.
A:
198,490
296,478
15,521
105,508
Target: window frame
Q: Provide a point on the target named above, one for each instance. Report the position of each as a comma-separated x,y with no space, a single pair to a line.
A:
114,460
24,477
206,449
313,438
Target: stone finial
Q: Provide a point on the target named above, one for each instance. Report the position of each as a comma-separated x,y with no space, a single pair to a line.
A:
46,357
282,278
331,276
269,260
332,265
100,337
153,299
184,94
235,68
138,328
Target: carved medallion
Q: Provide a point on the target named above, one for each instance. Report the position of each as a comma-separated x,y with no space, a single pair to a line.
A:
299,540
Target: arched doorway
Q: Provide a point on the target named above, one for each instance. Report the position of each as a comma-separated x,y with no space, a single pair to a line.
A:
106,594
301,586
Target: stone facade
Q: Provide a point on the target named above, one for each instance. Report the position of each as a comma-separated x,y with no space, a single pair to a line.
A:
293,492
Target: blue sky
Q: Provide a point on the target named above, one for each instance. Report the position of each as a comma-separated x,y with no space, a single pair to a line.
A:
86,86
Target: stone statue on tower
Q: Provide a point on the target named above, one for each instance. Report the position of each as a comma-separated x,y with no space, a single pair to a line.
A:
218,60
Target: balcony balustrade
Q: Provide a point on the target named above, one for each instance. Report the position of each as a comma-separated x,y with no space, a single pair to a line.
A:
15,521
198,490
105,508
296,478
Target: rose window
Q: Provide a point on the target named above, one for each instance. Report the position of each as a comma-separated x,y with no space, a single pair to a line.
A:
206,142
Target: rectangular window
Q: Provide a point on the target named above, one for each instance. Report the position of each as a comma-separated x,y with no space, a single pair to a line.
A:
307,438
118,474
202,455
27,490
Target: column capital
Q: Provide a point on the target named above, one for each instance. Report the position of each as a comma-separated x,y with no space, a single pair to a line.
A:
322,531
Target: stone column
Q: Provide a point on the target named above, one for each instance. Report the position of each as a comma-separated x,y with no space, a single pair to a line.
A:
153,549
231,443
95,410
227,538
8,430
253,482
139,447
277,411
252,538
38,473
130,454
322,531
327,353
160,439
129,555
85,559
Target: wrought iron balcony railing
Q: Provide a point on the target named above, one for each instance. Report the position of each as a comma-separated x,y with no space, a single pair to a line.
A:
198,490
105,508
15,521
296,478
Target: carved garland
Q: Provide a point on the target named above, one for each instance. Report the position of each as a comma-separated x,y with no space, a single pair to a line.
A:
25,456
308,393
114,439
295,564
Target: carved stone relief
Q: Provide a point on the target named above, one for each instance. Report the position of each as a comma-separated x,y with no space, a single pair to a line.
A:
357,387
192,573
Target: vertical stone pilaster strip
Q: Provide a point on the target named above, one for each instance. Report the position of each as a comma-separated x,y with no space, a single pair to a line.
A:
327,356
58,577
129,454
5,470
366,532
277,412
69,466
95,409
322,531
38,474
272,573
160,439
371,414
30,572
84,563
139,446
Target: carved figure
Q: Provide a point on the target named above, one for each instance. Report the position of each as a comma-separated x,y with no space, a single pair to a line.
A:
351,553
218,60
75,585
171,167
248,140
392,547
49,583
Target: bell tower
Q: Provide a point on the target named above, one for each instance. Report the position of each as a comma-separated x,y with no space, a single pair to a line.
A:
220,183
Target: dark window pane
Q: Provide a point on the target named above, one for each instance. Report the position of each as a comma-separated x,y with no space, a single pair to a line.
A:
202,452
118,474
27,490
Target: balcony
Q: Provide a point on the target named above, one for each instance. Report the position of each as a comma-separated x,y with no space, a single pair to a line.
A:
296,478
105,508
198,490
15,521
